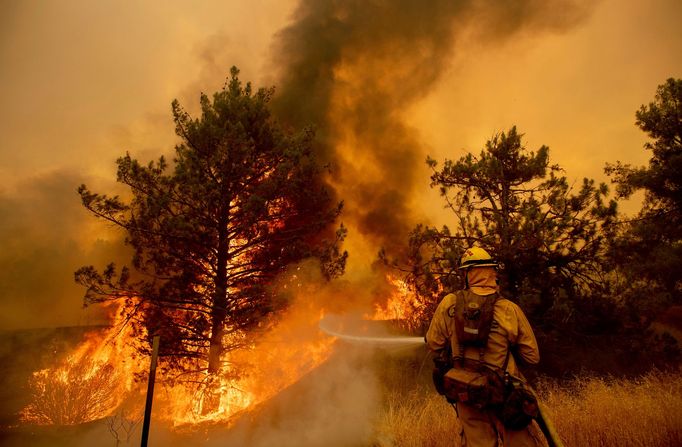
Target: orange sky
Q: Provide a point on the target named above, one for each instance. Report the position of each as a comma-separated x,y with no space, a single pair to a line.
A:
81,82
576,92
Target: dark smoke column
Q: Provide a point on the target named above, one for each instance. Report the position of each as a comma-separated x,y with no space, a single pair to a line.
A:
352,69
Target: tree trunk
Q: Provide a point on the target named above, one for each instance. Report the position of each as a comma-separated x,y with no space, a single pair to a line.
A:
211,401
218,315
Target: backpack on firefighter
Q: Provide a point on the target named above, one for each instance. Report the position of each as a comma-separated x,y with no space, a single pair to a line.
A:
473,381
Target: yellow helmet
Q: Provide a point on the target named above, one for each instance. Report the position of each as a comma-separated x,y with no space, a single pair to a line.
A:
476,257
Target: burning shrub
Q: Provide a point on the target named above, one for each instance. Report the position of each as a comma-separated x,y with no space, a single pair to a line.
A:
78,391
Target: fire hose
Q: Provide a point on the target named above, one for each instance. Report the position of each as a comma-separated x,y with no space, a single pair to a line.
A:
547,427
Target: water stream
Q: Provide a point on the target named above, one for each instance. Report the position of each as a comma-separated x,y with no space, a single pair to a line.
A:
333,325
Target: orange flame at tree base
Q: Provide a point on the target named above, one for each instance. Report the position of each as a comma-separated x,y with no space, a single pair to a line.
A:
99,376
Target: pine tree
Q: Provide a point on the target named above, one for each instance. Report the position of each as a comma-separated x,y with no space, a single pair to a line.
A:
547,234
242,199
650,246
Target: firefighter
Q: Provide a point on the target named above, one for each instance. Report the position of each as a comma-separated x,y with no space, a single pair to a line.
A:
510,341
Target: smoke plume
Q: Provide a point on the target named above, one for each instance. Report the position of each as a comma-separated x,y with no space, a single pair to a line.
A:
354,68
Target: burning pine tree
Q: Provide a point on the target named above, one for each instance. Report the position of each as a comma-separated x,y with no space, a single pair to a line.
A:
242,199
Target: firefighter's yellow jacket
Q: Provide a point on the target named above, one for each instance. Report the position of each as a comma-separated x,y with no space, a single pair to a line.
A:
510,328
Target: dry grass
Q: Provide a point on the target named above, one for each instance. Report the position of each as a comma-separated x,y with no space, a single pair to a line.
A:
586,412
417,418
617,412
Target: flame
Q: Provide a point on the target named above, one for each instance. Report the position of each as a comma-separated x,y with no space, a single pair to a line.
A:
106,374
288,351
95,380
401,305
90,383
